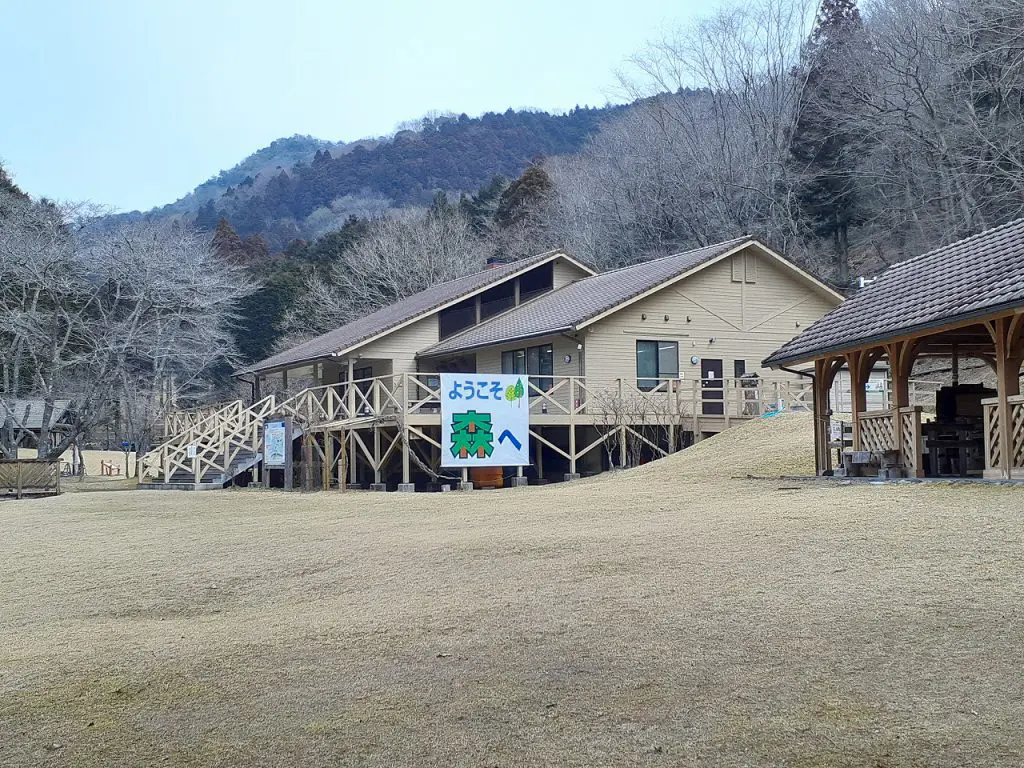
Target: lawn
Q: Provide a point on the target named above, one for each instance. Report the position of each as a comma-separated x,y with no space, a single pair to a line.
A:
677,614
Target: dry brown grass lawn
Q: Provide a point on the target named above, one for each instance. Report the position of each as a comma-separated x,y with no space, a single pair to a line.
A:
668,615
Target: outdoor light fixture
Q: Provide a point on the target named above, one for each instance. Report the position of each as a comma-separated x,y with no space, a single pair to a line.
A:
666,318
643,316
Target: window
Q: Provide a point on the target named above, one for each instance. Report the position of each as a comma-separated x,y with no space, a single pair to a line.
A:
739,368
737,268
456,318
537,362
497,299
656,360
536,281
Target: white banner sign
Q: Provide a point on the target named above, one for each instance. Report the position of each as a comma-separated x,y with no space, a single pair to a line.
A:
485,420
274,444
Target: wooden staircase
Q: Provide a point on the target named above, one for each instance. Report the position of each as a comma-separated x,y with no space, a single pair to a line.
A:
212,447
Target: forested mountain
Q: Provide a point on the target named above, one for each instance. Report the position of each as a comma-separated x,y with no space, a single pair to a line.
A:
302,187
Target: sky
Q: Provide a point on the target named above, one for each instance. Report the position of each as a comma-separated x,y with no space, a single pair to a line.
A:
132,104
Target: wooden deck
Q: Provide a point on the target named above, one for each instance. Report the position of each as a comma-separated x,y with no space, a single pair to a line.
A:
364,429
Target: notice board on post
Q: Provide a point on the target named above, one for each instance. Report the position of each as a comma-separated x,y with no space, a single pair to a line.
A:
485,420
275,443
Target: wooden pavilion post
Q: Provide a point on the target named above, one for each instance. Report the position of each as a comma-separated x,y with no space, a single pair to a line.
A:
1006,335
901,356
825,371
858,395
822,456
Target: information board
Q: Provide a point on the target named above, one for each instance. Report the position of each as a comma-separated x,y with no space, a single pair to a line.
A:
275,443
485,420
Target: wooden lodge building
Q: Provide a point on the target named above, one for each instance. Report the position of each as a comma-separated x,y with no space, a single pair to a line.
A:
623,366
965,300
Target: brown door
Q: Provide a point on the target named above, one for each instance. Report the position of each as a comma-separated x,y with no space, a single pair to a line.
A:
712,388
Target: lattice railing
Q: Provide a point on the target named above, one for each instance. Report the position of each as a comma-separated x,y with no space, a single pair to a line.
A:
910,441
994,433
877,431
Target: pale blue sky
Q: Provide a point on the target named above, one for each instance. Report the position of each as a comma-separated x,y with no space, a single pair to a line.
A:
131,104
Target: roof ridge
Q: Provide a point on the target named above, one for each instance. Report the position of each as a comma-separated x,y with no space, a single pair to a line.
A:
656,259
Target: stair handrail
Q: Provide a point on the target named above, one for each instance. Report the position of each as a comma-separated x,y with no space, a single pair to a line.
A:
175,450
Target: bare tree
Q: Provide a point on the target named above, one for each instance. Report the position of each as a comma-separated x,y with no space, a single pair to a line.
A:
117,321
402,254
704,158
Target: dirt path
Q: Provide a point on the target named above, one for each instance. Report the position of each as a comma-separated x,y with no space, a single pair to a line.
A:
664,616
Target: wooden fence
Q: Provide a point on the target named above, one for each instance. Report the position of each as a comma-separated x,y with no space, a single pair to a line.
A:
29,477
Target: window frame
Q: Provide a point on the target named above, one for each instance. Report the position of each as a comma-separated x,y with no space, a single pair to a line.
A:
541,379
647,383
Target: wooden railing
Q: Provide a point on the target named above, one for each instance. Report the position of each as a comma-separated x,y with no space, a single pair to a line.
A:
213,439
878,435
877,431
177,422
994,434
29,477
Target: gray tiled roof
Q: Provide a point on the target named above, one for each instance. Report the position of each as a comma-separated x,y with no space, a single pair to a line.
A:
29,413
580,301
384,319
970,278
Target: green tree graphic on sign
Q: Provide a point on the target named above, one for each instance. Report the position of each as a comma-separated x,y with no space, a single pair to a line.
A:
472,435
515,391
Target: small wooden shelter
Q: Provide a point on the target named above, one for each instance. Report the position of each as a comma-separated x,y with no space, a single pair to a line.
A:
964,300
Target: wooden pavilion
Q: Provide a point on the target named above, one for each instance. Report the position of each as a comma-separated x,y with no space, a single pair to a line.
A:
964,300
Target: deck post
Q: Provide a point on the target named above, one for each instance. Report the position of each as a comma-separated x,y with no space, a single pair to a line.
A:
376,454
342,459
572,451
351,388
622,447
406,474
695,388
353,459
538,448
328,460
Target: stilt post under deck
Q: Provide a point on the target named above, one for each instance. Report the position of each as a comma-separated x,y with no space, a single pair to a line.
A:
622,447
328,460
376,454
539,453
353,469
406,474
342,459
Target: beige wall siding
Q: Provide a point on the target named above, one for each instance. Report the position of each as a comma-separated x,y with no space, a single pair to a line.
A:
488,360
401,346
747,320
566,273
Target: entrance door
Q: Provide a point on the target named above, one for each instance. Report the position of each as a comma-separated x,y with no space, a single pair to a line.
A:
712,387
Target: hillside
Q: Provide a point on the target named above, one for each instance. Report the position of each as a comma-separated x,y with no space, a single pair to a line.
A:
302,187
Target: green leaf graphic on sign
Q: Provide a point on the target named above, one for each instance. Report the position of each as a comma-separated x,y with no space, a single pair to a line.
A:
472,435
